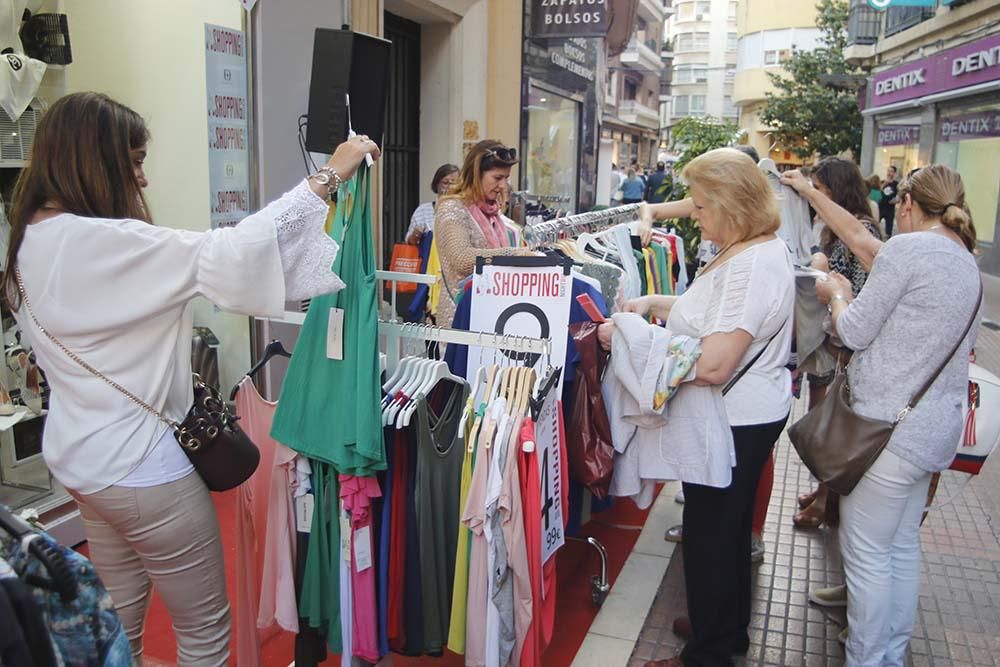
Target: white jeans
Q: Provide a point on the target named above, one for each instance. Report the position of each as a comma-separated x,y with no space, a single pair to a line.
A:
880,545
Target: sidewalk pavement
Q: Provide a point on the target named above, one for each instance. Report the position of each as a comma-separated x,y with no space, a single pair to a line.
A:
958,620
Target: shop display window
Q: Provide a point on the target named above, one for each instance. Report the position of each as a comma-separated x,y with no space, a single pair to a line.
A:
552,155
968,139
897,144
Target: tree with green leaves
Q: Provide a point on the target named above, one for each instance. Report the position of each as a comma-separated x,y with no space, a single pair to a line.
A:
808,116
694,137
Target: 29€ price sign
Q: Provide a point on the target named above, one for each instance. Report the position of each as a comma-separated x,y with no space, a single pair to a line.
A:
569,18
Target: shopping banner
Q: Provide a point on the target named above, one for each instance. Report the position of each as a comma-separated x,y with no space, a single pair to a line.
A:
228,127
550,472
521,296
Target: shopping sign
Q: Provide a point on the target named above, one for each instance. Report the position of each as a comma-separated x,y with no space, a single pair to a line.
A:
529,296
550,472
569,18
521,296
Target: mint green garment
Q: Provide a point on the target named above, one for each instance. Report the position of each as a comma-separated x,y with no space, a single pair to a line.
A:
329,410
663,268
320,599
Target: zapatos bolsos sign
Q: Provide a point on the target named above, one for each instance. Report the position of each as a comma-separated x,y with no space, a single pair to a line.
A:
569,18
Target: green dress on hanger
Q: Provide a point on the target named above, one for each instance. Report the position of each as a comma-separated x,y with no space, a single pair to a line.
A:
329,409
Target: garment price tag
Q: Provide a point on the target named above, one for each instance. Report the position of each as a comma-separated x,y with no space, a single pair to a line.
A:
363,548
335,335
304,513
345,537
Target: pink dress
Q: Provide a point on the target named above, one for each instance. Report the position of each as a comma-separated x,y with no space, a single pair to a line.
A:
278,603
251,522
357,494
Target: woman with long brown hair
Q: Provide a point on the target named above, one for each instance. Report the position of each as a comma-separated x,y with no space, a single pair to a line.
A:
900,326
841,182
468,222
88,274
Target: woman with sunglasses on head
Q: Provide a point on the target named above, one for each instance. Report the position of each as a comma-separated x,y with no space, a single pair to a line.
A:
900,325
468,222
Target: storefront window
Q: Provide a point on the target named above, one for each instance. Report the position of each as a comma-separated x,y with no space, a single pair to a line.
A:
968,139
552,166
897,144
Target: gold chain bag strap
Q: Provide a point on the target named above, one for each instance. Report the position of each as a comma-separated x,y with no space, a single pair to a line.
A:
837,444
218,448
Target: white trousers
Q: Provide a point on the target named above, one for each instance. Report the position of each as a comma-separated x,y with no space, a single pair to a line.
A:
880,546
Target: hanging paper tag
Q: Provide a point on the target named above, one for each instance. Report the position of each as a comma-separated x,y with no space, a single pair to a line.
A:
304,513
345,537
363,548
335,335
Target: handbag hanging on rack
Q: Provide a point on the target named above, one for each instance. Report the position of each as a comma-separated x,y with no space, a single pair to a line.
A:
837,444
219,450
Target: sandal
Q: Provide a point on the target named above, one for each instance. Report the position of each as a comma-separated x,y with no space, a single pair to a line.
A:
810,518
807,499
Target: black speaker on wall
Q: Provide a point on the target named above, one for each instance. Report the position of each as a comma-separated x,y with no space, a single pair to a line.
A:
346,63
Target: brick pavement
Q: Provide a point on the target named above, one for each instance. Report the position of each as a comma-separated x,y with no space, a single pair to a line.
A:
958,621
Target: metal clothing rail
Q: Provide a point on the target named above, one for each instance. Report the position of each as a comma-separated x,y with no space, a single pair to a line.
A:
396,331
574,225
396,277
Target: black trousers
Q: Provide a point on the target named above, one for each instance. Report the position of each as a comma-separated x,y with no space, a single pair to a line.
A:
717,552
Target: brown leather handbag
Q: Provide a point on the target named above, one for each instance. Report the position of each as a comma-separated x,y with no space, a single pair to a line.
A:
837,444
588,445
219,450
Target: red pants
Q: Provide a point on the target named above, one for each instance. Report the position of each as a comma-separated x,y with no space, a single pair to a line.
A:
763,499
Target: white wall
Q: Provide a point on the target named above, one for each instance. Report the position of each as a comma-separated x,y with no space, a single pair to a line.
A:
150,56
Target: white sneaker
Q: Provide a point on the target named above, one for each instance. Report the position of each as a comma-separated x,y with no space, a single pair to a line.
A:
829,597
679,498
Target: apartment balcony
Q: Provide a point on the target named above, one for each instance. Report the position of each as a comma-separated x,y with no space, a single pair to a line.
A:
652,11
642,57
631,111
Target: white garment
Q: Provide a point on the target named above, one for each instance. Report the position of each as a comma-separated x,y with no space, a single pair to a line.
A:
880,545
753,291
494,483
128,315
693,443
165,463
422,219
346,597
796,225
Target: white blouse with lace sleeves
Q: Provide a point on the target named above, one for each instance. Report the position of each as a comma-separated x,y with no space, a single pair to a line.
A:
118,293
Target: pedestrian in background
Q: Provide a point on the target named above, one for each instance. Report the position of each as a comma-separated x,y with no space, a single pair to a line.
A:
633,188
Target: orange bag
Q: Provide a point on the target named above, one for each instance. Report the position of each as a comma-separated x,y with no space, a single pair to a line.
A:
405,259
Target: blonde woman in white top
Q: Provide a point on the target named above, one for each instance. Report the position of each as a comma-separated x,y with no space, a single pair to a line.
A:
740,306
116,290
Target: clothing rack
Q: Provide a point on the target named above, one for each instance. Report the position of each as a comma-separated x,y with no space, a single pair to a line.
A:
574,225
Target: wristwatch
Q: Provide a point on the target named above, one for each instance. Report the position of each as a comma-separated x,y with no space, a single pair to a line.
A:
835,297
327,176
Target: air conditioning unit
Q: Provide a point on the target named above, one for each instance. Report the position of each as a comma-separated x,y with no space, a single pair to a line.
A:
16,136
699,17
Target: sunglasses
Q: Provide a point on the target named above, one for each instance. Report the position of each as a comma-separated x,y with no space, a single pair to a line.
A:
503,154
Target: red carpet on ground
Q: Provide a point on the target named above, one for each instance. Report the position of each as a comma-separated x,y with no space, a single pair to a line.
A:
618,529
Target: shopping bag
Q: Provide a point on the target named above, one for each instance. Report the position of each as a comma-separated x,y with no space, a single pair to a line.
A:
982,421
405,259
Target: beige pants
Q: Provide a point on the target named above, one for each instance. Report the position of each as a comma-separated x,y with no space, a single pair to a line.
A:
165,536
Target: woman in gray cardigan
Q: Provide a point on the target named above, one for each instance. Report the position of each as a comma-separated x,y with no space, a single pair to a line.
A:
921,292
